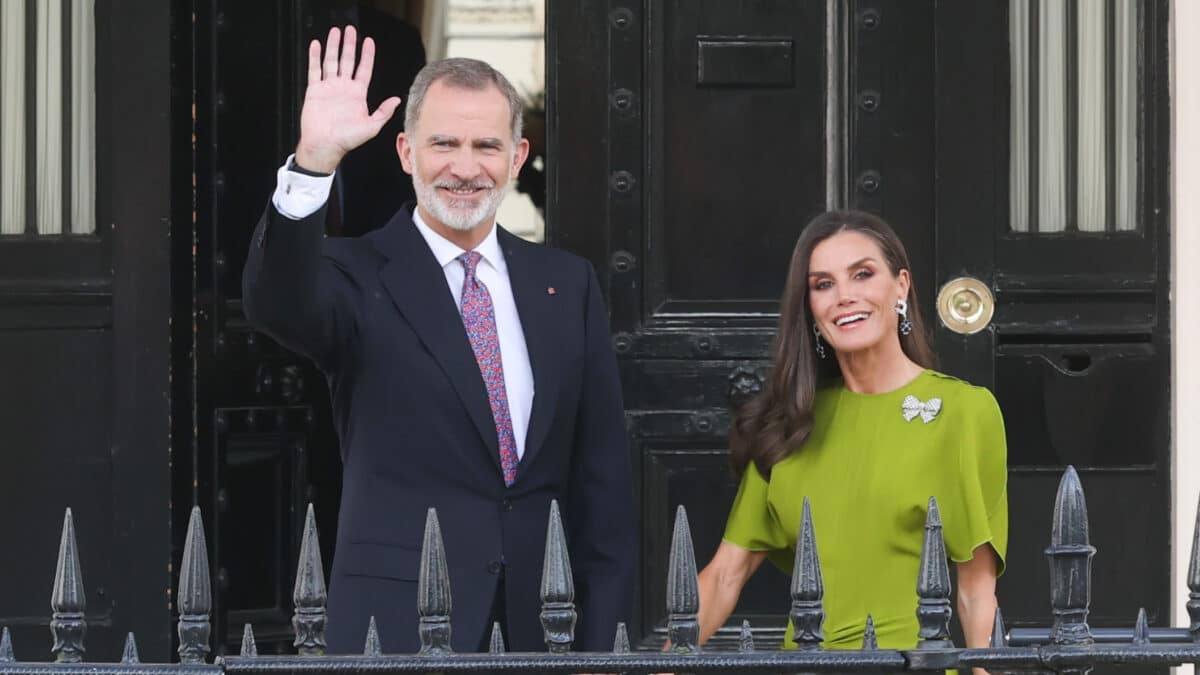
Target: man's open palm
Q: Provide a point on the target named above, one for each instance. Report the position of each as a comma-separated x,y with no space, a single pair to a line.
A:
335,119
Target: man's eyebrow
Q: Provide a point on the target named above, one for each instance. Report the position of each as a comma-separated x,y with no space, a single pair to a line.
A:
490,142
441,138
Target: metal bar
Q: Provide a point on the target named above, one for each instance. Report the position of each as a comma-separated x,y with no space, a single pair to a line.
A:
433,591
309,595
67,81
1071,103
1193,583
2,139
775,661
1033,636
683,593
933,584
1070,555
195,594
1035,131
835,44
1058,658
1110,115
129,655
808,587
558,614
31,118
106,669
68,599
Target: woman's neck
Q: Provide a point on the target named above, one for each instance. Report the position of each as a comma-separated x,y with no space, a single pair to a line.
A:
878,370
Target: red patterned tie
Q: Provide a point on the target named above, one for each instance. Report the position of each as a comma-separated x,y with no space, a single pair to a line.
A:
480,321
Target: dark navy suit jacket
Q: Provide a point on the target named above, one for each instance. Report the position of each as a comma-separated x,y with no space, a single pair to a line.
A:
416,431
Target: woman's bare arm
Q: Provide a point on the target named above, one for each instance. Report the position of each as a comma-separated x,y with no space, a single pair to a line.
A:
721,582
977,597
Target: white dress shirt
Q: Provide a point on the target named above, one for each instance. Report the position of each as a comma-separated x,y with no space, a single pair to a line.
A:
299,195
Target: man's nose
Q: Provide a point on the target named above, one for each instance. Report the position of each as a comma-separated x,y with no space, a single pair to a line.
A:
464,164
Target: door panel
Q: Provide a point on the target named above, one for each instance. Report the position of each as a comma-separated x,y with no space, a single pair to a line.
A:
1078,352
85,350
720,196
712,161
262,446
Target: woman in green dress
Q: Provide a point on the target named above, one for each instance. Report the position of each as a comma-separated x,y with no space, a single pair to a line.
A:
854,419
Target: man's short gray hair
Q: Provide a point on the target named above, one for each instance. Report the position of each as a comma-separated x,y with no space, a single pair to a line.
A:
461,73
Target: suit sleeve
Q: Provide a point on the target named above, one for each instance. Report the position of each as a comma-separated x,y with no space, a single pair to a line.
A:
296,294
600,520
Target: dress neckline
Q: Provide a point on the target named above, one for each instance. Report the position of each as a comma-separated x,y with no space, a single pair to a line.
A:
845,391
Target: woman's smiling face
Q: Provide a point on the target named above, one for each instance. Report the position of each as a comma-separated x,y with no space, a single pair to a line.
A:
852,293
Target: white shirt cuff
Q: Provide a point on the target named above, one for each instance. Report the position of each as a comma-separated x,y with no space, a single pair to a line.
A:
297,195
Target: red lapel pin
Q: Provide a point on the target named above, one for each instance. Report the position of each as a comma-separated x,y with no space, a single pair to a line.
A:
551,291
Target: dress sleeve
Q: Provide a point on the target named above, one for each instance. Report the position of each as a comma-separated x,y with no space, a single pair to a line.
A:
751,524
981,514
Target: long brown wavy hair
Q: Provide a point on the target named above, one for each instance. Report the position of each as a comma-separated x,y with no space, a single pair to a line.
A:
777,421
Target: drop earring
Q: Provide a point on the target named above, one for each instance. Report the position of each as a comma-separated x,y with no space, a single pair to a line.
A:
817,341
905,324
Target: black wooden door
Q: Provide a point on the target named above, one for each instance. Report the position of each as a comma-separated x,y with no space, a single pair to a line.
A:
691,140
261,446
85,329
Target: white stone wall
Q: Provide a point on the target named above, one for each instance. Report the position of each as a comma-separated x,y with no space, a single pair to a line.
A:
1185,291
510,35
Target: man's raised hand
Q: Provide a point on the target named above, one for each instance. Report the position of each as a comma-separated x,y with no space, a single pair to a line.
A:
334,119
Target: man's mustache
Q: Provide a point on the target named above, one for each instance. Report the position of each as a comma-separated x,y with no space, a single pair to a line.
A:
465,185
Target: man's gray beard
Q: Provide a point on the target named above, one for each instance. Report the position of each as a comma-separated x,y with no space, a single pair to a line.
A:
456,218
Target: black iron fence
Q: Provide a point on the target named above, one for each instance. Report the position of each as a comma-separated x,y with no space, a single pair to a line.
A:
1068,646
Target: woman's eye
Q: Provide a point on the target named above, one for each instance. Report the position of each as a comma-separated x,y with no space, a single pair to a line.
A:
822,285
863,274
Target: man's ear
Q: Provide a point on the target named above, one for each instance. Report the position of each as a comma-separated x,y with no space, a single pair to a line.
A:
520,154
404,150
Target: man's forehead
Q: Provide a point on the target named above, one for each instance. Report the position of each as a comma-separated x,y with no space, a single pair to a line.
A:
464,119
445,93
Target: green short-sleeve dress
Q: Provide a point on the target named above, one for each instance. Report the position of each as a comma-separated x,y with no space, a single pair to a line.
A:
869,474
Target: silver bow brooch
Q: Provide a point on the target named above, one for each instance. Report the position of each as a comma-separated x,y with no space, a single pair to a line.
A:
928,410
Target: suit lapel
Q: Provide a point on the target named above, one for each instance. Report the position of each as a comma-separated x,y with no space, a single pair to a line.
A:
417,286
530,291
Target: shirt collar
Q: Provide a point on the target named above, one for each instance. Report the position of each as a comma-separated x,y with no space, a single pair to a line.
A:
446,251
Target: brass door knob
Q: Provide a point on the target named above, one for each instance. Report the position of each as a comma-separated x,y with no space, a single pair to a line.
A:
965,305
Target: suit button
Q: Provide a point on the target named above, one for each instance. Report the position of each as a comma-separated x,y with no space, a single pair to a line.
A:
506,505
494,567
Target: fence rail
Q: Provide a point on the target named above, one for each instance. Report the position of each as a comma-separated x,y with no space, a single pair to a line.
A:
1069,645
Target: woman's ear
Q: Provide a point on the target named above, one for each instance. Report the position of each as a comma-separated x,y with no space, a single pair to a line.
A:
903,284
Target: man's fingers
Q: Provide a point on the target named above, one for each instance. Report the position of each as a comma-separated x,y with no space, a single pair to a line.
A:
314,61
385,111
366,63
349,45
331,52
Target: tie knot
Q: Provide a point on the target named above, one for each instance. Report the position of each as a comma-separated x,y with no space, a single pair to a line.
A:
469,261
